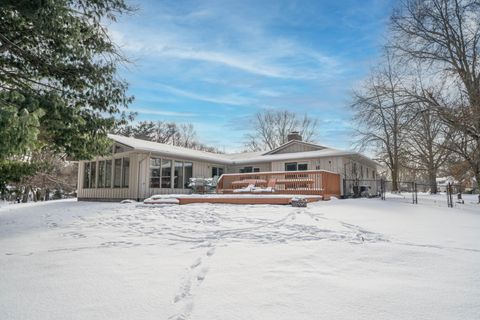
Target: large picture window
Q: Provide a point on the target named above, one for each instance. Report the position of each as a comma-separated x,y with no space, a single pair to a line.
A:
89,174
155,172
178,175
188,173
125,172
117,173
108,174
101,174
86,175
93,174
166,173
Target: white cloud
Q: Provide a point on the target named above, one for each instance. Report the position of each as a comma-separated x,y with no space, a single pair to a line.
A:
248,48
162,112
234,100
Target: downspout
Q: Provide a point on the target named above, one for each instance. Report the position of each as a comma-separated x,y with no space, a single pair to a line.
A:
138,175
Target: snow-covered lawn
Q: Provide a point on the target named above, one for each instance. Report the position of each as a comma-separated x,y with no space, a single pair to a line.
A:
349,259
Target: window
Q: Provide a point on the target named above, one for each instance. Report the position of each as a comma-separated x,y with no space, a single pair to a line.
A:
161,171
291,166
188,172
217,171
154,172
178,182
256,169
93,174
246,170
294,166
86,175
166,173
302,166
108,174
101,174
125,172
89,174
117,173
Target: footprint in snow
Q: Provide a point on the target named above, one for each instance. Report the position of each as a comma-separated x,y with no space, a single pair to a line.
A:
196,263
211,251
202,274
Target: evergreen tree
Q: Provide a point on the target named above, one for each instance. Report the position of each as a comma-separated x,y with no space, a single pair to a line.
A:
59,88
56,56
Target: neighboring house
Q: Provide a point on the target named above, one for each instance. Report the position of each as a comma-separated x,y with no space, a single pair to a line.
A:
138,169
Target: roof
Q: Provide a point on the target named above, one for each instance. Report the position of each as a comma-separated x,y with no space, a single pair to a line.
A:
167,149
232,158
291,142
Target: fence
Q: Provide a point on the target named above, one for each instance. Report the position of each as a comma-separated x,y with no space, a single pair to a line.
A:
450,195
310,182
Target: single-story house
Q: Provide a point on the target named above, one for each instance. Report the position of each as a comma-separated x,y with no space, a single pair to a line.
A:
137,169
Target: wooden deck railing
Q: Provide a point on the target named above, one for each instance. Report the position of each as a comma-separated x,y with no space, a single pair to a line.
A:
316,182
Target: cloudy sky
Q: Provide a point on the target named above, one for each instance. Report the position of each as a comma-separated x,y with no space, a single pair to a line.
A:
216,63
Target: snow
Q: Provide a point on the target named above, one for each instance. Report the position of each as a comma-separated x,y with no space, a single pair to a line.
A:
161,199
342,259
252,188
232,159
439,199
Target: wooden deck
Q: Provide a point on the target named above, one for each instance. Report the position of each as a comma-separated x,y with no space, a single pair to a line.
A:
245,199
309,182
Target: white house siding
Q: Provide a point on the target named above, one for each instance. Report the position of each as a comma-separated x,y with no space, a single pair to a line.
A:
264,167
204,169
365,174
280,165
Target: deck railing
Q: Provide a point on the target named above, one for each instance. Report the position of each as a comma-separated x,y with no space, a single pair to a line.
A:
310,182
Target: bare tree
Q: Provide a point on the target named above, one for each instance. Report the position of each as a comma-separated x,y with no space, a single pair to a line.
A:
185,135
182,135
53,175
271,128
427,143
445,35
382,116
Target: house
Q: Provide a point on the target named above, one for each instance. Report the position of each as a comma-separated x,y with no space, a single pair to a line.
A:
137,169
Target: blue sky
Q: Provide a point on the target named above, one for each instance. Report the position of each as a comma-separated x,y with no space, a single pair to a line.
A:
216,63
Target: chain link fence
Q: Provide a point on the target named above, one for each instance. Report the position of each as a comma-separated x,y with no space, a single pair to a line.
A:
451,195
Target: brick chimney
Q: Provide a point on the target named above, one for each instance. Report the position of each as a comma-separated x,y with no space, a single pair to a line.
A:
294,135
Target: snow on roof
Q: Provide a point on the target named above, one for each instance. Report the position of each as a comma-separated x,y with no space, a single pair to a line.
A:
292,156
233,158
167,149
244,155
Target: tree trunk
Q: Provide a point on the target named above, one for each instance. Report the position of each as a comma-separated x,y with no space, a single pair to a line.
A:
477,177
432,180
395,179
26,191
